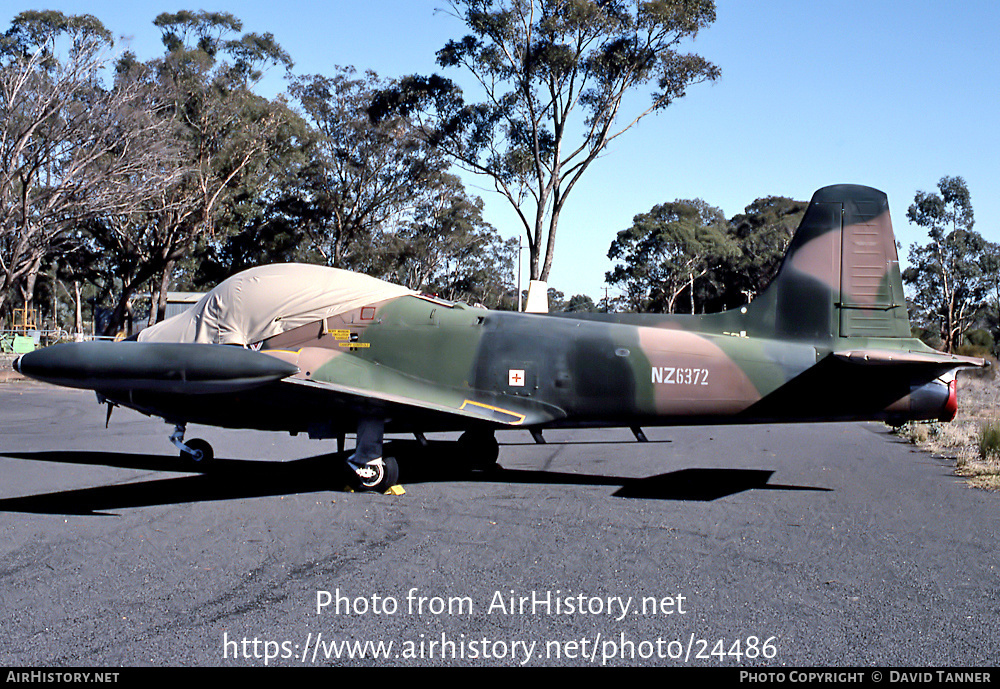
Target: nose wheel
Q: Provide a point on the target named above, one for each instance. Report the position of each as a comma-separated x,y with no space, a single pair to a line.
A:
197,452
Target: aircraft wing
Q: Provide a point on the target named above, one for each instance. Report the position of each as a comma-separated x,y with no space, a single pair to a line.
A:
163,372
398,393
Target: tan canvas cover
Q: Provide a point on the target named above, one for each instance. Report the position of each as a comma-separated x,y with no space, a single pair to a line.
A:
262,302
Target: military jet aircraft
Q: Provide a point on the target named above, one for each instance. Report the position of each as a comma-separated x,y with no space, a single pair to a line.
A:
309,349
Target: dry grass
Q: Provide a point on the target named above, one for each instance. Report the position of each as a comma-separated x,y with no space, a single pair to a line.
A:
978,418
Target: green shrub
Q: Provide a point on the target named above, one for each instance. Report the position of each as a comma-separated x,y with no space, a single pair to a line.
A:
989,441
979,337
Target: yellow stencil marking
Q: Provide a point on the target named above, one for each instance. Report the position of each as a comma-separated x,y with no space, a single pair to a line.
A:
470,403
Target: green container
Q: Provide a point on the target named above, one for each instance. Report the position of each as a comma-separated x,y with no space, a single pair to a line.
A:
23,345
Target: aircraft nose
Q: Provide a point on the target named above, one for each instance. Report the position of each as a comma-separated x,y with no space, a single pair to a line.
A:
17,364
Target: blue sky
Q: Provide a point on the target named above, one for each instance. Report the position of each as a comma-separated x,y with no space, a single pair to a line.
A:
892,95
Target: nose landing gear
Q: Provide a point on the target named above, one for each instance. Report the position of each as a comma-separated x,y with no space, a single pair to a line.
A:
197,453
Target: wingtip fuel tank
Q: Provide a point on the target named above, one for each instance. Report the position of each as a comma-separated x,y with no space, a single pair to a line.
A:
159,367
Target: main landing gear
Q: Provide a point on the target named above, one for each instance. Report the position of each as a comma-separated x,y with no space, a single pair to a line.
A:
372,471
378,475
480,449
369,469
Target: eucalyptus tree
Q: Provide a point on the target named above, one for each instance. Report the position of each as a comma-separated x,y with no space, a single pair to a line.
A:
554,76
374,196
762,232
222,132
448,249
362,178
951,274
431,245
71,148
666,251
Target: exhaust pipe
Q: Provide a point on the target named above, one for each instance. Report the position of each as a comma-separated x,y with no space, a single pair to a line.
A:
937,400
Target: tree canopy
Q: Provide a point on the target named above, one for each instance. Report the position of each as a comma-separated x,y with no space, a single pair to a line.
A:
555,75
130,177
953,273
666,251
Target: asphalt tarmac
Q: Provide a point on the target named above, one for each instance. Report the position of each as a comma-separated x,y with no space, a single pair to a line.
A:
807,545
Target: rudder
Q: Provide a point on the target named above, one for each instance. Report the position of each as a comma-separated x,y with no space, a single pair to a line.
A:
840,276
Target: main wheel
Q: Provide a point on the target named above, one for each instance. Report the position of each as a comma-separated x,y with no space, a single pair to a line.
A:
201,454
480,449
379,475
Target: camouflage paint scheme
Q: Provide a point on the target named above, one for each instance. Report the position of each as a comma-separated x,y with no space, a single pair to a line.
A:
828,340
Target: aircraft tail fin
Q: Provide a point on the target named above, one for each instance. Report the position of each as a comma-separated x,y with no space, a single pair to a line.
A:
840,277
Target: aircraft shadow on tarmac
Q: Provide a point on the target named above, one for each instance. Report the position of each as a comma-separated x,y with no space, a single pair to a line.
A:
228,479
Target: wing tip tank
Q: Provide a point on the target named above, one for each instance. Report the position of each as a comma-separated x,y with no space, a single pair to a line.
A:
163,367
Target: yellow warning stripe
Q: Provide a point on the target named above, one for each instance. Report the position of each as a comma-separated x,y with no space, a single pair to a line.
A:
520,417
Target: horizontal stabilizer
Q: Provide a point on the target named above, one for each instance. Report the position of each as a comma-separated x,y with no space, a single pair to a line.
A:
153,366
887,357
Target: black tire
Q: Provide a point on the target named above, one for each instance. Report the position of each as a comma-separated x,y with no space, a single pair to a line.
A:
480,449
386,476
201,454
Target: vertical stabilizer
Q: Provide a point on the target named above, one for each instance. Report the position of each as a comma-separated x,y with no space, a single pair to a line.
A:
840,277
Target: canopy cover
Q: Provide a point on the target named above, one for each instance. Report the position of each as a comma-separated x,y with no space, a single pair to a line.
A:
263,302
